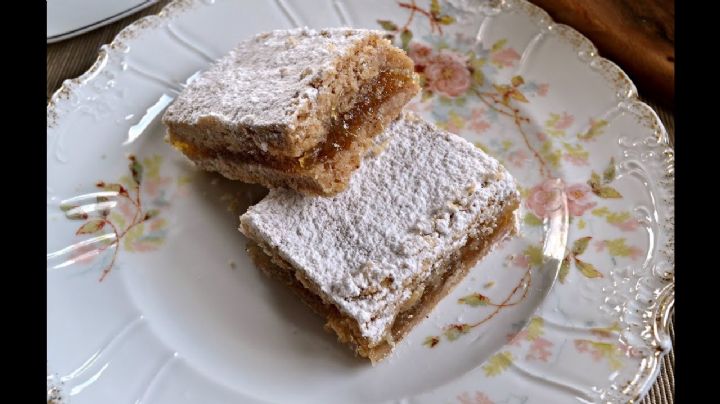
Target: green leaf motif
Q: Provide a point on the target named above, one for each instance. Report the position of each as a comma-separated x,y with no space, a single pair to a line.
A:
406,36
618,217
596,129
598,185
535,328
534,255
517,81
151,214
434,7
93,226
609,173
550,126
498,363
118,220
474,300
127,181
580,245
610,352
499,45
576,151
446,20
152,166
564,269
551,156
137,171
587,269
431,342
133,235
478,77
618,247
387,25
454,331
607,192
531,220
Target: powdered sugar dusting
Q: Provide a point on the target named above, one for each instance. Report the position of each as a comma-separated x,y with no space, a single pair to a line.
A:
264,80
402,211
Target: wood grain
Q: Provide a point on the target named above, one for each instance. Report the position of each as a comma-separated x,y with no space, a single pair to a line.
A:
639,35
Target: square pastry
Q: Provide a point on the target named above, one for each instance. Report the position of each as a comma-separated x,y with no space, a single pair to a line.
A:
294,108
375,259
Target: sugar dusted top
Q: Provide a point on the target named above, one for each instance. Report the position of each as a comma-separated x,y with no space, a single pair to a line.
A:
402,211
264,80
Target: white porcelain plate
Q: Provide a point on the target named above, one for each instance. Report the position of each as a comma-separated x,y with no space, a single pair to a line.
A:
68,18
152,297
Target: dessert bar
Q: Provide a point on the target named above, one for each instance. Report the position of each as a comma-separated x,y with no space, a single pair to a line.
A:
293,108
373,260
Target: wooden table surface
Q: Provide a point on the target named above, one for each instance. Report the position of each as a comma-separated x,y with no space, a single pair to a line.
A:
70,58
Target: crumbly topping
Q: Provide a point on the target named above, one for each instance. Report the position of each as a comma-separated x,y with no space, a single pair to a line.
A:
403,211
265,80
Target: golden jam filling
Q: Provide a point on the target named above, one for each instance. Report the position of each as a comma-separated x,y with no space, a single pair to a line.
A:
341,130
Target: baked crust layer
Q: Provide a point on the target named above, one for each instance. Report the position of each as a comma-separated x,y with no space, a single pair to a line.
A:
327,168
293,108
446,274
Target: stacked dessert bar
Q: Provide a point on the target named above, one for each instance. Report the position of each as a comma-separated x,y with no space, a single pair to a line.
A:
373,214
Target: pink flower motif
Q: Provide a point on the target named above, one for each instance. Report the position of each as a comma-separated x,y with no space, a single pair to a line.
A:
140,246
516,338
576,160
635,253
478,113
627,251
153,186
542,136
521,261
126,208
539,350
518,158
157,225
543,89
447,73
478,123
452,126
578,196
628,225
564,122
85,254
480,126
479,398
420,54
506,57
582,345
544,198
